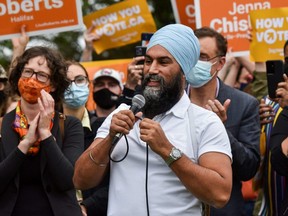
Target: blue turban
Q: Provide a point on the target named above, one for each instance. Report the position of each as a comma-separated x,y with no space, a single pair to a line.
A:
179,40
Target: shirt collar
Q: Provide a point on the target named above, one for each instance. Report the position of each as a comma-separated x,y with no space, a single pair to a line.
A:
217,87
180,108
85,120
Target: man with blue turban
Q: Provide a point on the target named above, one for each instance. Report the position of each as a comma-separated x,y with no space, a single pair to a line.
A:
174,155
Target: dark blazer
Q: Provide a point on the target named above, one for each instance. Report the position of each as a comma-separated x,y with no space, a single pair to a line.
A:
57,160
243,129
279,161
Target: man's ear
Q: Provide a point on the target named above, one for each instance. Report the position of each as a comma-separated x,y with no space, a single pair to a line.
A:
184,81
183,76
222,62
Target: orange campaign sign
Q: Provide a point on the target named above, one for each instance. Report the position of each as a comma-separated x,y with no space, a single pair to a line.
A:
270,32
231,19
40,17
120,65
184,12
120,24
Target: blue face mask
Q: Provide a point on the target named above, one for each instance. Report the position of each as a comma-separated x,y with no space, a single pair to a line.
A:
200,74
76,96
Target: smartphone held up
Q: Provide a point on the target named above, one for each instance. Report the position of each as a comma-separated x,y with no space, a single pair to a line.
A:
275,71
141,50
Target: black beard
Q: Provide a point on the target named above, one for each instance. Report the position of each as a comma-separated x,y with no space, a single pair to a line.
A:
162,100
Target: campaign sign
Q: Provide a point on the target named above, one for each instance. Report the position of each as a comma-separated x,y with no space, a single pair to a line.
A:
231,19
270,32
120,24
39,16
184,12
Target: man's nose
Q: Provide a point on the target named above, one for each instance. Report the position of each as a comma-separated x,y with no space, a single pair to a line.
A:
154,68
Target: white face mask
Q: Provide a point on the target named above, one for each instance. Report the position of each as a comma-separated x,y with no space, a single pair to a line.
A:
200,74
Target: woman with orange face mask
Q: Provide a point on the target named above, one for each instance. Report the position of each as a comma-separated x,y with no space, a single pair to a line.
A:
36,165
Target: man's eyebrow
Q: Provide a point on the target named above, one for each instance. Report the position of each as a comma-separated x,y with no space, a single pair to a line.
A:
203,54
160,57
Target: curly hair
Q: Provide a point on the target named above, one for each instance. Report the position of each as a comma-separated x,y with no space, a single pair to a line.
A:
55,62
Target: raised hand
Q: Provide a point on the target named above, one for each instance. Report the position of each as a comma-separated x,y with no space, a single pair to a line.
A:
216,107
135,73
266,113
90,36
46,105
152,133
22,41
122,122
31,137
282,92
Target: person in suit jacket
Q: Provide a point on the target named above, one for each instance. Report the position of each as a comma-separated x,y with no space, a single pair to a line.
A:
237,110
36,165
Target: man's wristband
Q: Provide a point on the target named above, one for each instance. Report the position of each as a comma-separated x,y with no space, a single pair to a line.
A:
95,162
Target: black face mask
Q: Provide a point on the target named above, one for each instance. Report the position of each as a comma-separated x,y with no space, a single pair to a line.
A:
105,98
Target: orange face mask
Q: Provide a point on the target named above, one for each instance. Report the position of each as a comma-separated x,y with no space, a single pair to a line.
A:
30,88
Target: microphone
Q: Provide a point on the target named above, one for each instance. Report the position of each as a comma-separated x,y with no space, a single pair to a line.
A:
138,101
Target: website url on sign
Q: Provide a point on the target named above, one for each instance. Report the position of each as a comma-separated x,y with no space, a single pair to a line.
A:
66,21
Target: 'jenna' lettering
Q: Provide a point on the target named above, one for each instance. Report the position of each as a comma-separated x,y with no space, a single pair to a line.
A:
245,8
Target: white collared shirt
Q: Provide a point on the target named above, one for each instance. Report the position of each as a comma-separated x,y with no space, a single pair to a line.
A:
166,194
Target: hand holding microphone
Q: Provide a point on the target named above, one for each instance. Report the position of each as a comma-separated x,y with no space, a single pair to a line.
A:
138,101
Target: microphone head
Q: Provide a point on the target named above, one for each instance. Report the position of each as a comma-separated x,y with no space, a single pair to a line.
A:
138,101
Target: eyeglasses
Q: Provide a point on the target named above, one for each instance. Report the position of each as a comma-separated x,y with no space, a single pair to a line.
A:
80,80
205,58
40,76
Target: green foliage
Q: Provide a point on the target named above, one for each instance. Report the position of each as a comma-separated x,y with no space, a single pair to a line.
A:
68,42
